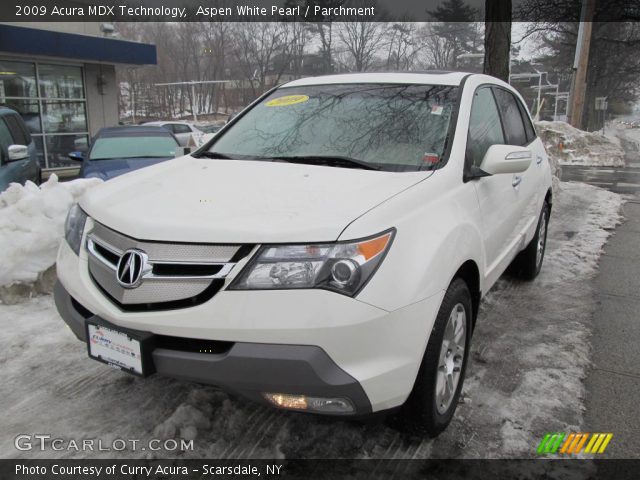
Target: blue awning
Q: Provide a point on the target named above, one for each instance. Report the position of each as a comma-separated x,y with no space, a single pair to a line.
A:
31,41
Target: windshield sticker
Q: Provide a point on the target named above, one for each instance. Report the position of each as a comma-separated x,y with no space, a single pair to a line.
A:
286,101
430,158
437,110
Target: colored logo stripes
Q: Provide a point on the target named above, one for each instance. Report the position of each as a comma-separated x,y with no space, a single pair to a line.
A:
573,443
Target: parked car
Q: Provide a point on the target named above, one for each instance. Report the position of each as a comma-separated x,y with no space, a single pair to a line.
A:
209,128
183,131
326,252
18,155
118,150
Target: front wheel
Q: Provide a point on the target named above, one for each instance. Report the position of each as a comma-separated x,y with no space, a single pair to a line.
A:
435,395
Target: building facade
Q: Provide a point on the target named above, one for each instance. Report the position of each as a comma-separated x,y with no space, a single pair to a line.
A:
61,78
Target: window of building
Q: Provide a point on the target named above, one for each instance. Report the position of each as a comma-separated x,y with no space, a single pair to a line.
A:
51,100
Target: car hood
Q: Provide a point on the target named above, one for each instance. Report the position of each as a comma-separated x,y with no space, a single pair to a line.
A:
107,169
232,201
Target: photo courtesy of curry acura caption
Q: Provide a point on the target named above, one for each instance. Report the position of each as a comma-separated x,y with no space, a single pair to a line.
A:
325,252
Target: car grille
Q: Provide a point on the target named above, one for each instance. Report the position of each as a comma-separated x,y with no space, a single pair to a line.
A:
174,275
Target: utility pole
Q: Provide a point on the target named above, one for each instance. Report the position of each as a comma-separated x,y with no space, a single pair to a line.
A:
581,63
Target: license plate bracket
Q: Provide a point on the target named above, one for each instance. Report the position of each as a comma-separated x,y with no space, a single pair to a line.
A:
122,348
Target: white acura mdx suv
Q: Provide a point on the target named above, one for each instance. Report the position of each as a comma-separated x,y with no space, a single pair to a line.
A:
326,252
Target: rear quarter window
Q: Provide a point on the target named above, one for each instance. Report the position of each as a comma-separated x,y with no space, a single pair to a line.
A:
179,128
528,126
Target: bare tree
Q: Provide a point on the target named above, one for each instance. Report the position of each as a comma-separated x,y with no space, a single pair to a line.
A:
256,47
361,41
299,36
403,45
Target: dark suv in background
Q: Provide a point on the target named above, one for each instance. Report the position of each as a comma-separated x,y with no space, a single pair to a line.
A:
18,156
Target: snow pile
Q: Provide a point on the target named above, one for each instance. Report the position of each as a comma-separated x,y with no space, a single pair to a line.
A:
569,146
550,349
575,252
32,226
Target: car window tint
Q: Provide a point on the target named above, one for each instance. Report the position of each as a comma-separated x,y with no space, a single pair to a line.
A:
528,126
17,129
484,127
511,117
152,146
178,128
5,138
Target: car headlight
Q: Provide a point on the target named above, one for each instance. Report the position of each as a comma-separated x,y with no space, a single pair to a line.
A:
74,227
343,267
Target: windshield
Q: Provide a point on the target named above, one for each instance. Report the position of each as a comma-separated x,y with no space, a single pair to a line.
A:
389,126
106,148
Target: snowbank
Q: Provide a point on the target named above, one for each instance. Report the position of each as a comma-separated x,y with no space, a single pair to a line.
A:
569,146
32,226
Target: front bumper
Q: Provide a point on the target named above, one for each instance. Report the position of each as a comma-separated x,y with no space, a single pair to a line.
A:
247,369
380,349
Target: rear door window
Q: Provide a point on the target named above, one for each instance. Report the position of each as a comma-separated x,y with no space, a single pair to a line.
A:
511,118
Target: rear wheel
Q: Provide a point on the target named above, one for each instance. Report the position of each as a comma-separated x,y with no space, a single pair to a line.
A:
528,263
435,395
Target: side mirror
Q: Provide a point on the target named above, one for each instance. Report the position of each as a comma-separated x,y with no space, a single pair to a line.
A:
506,159
17,152
77,156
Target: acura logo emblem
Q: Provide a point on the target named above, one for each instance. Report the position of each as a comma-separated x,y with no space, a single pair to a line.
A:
131,266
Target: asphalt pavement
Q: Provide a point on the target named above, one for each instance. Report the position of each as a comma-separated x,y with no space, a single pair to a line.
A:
613,382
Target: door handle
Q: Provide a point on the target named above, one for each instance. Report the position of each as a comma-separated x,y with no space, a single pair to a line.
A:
539,159
516,181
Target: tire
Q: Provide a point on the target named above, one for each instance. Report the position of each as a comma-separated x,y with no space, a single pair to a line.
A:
528,263
429,409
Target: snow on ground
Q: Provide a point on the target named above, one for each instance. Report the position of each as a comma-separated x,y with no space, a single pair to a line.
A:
629,138
570,146
32,225
529,354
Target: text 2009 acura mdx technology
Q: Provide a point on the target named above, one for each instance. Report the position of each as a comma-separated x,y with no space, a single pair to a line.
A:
326,252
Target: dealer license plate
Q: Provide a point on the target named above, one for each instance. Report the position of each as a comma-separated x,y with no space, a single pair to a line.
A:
115,348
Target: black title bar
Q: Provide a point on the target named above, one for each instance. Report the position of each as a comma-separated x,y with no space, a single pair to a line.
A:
305,10
315,469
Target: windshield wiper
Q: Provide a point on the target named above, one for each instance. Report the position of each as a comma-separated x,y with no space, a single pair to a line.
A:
209,154
331,160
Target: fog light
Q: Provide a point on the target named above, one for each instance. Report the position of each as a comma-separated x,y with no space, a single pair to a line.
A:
314,404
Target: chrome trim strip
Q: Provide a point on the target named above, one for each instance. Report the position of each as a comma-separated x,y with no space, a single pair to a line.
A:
149,275
224,271
91,248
